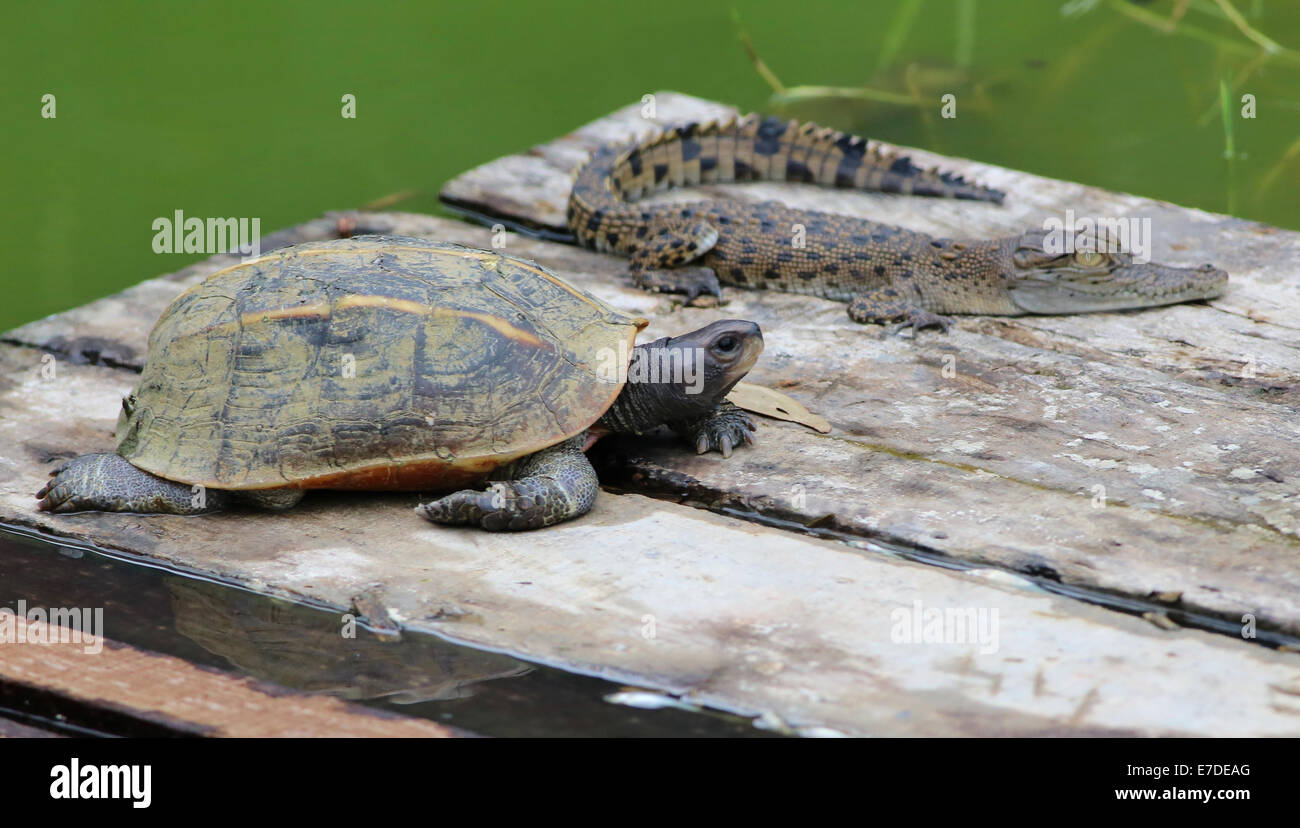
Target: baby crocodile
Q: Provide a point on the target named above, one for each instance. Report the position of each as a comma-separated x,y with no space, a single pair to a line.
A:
885,273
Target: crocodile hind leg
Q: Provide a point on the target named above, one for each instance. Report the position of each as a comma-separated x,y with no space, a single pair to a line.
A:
551,486
657,264
107,483
889,304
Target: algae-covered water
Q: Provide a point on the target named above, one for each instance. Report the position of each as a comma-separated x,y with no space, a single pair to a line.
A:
236,109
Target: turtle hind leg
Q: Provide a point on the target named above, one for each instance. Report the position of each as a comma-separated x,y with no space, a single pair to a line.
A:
273,500
107,483
551,486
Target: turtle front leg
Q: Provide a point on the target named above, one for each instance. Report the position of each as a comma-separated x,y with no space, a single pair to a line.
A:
107,483
549,487
723,429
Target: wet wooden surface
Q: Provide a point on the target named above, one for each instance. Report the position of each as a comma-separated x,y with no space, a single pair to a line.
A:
14,730
996,462
149,694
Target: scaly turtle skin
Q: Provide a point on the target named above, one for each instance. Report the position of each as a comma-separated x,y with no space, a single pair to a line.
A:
396,363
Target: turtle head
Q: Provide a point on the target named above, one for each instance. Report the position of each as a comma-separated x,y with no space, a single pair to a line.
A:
684,377
1098,276
720,354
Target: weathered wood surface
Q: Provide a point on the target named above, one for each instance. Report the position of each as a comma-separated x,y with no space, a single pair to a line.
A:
722,611
169,696
994,464
1186,417
13,730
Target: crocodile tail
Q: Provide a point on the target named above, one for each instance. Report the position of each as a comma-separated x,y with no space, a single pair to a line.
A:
754,148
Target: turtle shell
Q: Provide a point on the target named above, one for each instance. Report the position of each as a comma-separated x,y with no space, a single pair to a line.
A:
369,363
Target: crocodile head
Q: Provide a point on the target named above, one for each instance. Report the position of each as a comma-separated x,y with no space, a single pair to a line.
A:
1039,280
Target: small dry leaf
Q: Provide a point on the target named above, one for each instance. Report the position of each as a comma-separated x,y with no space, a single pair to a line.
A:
763,400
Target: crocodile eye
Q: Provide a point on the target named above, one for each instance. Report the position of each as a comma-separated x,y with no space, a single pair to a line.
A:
1089,258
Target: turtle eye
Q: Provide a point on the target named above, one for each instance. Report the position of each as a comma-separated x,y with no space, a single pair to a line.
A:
1089,258
726,344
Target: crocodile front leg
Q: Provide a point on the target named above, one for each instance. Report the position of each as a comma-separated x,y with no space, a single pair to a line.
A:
657,263
889,304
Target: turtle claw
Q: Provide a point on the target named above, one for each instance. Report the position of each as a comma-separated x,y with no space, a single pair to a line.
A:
464,508
60,492
52,496
506,506
723,430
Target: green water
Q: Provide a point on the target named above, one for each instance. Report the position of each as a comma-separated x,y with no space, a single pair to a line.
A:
233,109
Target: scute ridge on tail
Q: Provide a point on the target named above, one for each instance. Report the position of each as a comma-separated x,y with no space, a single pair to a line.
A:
754,148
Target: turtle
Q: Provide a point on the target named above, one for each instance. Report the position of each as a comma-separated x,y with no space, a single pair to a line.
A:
397,363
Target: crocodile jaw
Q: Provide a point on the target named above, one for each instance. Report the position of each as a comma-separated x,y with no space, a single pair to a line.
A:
1128,287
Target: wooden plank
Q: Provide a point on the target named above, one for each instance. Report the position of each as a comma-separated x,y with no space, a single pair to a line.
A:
1002,438
173,695
723,612
210,624
13,730
998,463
